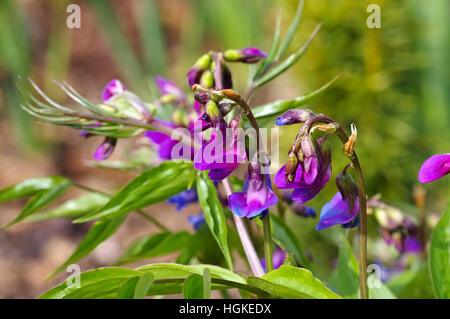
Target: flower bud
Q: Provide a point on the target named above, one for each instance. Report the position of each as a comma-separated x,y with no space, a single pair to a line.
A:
294,116
105,149
197,69
201,97
213,112
347,187
246,55
310,159
291,166
112,88
207,79
169,90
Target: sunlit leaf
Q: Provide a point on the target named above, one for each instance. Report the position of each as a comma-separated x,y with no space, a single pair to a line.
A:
292,283
439,258
150,187
212,209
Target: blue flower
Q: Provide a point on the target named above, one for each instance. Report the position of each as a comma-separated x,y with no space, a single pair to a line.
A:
196,220
183,199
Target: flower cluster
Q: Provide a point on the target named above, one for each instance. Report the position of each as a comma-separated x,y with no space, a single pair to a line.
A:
308,170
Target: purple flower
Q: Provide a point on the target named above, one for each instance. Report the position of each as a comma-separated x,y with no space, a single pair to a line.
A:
105,149
337,211
167,87
307,185
165,143
183,199
294,116
112,88
278,258
196,220
257,195
434,168
219,155
246,55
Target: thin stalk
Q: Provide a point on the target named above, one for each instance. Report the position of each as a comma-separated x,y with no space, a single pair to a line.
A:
247,244
267,243
141,213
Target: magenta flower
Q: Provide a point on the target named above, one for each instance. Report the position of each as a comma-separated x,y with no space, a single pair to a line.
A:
337,211
105,149
167,87
112,88
195,73
219,155
307,185
435,167
246,55
278,257
257,195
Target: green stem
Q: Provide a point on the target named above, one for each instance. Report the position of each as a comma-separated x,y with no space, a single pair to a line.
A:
267,243
141,213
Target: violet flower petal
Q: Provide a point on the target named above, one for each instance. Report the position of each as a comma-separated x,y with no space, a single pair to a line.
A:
434,168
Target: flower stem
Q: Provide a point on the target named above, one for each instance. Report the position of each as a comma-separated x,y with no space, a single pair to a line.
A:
247,244
362,203
267,243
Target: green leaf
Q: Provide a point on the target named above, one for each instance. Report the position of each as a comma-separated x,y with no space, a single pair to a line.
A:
439,258
73,208
212,209
267,62
98,233
150,187
292,283
193,287
154,245
291,31
46,189
287,63
348,277
280,106
93,284
30,187
143,285
168,270
128,288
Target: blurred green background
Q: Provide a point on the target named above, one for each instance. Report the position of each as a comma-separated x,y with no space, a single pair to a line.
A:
395,84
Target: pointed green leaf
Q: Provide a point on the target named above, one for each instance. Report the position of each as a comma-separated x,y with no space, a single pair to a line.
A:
150,187
287,63
291,31
212,209
280,106
73,208
439,258
30,187
292,283
41,200
267,62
